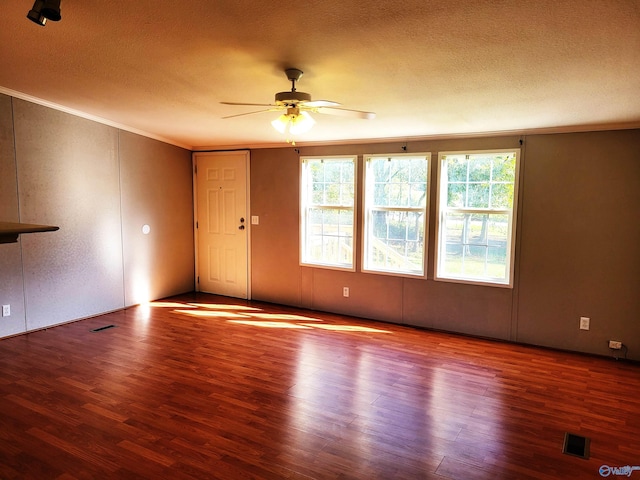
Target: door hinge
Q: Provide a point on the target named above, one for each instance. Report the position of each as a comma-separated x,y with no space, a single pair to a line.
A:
196,225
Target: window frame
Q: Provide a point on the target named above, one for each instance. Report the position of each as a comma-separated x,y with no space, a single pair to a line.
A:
441,198
304,212
367,209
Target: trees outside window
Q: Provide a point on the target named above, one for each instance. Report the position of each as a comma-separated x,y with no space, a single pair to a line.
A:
327,209
476,217
395,213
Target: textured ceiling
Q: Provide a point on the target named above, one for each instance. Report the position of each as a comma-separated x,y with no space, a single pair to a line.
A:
427,68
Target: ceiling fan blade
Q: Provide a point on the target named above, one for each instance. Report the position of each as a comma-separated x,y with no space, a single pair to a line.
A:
249,104
344,112
249,113
321,103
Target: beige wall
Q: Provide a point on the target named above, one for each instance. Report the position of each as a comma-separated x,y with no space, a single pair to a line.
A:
98,184
580,241
577,246
156,181
11,281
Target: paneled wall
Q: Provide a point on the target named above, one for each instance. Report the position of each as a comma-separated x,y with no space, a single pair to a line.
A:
577,246
11,280
99,185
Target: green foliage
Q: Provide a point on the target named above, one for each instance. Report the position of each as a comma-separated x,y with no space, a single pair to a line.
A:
397,236
480,181
332,181
398,181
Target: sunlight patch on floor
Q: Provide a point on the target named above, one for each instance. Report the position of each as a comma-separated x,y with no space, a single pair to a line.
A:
217,306
168,305
210,314
256,317
283,316
348,328
257,323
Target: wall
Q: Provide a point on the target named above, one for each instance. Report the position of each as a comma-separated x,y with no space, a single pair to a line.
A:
99,185
577,246
580,252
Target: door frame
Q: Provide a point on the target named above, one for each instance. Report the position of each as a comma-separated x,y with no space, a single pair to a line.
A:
194,162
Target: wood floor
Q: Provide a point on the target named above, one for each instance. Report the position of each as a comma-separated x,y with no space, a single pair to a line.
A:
196,387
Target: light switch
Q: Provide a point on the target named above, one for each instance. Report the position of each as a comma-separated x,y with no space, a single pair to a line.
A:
255,220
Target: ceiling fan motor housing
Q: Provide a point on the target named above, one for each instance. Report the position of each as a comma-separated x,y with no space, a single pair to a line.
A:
292,98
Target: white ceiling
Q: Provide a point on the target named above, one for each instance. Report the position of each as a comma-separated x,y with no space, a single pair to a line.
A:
427,68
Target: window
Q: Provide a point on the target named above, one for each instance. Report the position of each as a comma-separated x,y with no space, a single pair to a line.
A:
476,221
395,214
327,211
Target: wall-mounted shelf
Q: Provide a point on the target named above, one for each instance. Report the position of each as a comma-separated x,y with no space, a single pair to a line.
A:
9,231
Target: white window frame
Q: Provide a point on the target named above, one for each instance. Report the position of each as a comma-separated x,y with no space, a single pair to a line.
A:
369,208
306,203
442,209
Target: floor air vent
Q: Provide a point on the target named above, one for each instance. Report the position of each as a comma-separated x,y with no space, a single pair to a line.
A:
576,445
106,327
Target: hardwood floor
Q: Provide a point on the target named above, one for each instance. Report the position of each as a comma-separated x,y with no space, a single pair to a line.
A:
196,387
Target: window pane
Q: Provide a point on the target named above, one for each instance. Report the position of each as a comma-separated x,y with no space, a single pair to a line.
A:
476,246
346,223
476,229
453,259
316,171
398,194
332,194
456,168
478,195
347,194
331,236
496,262
394,231
415,226
504,169
327,228
501,195
332,171
347,171
396,241
399,182
456,195
479,169
498,230
454,228
380,195
418,170
418,195
474,261
317,194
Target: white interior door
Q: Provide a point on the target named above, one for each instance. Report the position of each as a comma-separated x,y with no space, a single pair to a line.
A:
222,232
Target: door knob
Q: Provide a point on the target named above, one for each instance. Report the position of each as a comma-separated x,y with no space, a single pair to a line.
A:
241,227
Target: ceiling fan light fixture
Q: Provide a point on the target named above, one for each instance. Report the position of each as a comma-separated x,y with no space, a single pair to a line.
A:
295,121
296,107
280,123
301,123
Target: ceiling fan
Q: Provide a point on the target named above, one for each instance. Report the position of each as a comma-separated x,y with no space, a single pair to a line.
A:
296,106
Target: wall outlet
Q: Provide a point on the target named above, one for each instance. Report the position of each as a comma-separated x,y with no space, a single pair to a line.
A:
6,310
615,345
584,323
345,291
